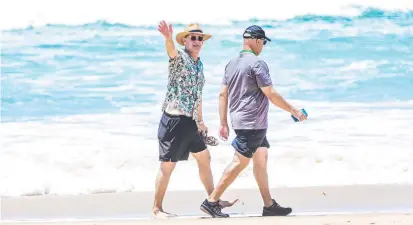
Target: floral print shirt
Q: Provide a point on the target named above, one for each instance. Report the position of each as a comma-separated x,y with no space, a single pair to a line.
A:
185,84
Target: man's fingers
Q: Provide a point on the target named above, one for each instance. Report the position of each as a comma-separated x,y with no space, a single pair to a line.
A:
222,137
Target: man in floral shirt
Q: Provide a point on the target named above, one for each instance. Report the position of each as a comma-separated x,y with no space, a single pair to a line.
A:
181,125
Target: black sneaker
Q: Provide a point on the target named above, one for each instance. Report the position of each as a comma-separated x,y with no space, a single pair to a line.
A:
213,209
276,210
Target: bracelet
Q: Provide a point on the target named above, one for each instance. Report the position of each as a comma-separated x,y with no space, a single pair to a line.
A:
199,122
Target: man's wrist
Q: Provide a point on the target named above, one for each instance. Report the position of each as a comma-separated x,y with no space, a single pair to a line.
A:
294,111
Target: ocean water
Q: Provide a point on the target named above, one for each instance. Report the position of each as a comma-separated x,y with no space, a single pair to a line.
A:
82,87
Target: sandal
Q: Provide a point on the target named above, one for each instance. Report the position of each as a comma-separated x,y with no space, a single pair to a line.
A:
210,140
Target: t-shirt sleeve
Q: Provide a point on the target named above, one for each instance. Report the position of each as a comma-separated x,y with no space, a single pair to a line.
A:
173,62
225,78
262,74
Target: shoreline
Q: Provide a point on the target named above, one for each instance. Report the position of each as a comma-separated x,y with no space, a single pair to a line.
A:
305,201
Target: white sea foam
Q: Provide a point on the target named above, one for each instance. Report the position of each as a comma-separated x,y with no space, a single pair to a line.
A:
341,143
23,13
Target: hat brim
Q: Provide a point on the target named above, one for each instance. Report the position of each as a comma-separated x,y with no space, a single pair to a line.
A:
181,35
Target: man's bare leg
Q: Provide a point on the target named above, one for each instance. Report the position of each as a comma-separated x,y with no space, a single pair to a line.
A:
238,164
271,208
204,165
161,184
260,159
203,159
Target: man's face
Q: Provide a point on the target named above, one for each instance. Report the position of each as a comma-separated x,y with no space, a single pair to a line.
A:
194,42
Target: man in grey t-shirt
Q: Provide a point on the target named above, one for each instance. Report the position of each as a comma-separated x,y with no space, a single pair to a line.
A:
248,86
245,76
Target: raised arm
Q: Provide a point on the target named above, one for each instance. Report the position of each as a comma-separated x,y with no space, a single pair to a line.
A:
166,31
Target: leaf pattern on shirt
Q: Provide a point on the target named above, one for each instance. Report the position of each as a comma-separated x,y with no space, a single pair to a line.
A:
185,84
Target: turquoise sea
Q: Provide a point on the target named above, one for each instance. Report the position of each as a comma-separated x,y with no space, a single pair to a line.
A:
58,70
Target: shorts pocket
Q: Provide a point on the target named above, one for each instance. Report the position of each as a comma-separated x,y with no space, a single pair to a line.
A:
166,127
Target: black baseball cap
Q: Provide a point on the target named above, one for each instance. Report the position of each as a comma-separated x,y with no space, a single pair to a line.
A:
255,31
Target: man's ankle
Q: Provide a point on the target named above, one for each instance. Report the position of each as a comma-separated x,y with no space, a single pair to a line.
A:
212,199
156,209
268,204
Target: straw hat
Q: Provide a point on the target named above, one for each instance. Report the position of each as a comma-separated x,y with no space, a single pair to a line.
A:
192,28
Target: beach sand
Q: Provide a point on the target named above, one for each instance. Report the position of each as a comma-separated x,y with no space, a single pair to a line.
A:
350,219
352,204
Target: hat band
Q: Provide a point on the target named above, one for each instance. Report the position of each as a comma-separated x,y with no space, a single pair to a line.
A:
195,31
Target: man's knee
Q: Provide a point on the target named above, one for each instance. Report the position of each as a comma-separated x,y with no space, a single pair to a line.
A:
167,168
260,155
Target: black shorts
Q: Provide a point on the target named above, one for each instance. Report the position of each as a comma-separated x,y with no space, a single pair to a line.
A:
247,141
178,135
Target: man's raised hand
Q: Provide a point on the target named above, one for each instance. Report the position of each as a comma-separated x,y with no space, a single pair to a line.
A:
165,29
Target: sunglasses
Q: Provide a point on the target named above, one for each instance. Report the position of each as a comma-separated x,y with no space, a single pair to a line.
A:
200,38
265,42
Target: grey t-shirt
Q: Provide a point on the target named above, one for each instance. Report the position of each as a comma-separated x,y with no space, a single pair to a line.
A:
248,106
